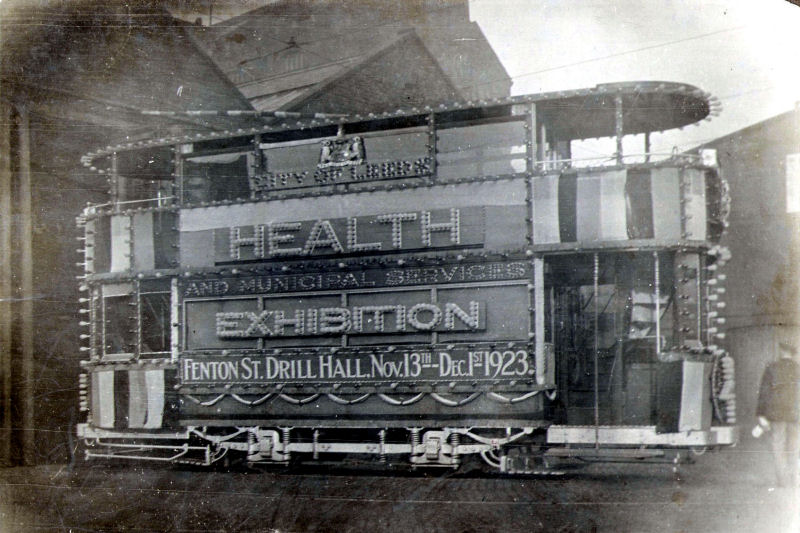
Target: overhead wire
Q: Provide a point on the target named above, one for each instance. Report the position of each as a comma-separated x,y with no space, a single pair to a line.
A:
607,56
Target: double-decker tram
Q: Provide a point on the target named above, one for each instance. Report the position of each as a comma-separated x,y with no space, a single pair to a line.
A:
418,286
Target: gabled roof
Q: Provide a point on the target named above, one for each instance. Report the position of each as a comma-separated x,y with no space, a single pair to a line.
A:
331,37
369,86
776,125
108,63
347,92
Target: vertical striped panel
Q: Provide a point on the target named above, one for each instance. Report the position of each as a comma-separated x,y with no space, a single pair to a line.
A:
545,209
117,289
103,398
695,413
143,251
695,206
667,395
96,402
567,207
175,319
639,204
89,246
538,306
665,190
165,239
154,380
613,224
120,243
137,398
587,221
102,244
121,393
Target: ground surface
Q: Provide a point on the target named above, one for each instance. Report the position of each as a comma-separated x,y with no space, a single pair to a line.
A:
722,492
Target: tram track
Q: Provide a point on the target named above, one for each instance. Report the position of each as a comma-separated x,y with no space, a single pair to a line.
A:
618,497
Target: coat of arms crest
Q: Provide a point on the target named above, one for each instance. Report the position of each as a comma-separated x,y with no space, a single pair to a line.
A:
341,152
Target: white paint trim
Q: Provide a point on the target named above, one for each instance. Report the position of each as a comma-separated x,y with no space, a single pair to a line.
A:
154,384
103,382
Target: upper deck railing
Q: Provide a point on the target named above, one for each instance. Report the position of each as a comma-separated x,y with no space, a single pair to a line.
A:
305,154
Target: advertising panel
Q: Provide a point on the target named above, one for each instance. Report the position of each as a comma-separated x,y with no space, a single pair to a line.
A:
469,322
468,218
387,232
415,364
343,160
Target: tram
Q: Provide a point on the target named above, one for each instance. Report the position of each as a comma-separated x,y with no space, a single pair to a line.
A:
421,286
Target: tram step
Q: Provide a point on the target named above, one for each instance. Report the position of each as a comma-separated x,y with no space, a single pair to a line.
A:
605,453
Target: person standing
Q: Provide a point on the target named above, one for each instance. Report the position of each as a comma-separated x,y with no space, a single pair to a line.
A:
779,413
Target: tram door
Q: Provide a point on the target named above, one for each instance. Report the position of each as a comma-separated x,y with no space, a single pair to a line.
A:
603,317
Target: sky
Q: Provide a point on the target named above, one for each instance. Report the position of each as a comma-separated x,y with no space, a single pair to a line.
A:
744,52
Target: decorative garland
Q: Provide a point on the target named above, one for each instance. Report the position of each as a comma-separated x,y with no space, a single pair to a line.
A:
341,401
500,398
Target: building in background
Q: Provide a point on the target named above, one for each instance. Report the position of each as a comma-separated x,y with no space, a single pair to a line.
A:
69,86
353,56
762,165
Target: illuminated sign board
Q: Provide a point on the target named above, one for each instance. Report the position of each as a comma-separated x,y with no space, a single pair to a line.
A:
456,313
386,170
382,317
389,232
450,302
343,160
454,364
460,321
447,273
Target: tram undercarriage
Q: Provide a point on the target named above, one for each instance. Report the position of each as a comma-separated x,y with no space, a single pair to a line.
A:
519,450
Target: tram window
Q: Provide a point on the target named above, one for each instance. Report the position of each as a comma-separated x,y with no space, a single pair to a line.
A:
155,322
606,323
401,147
647,314
119,321
292,158
144,174
626,301
588,153
573,305
481,150
218,177
165,236
643,317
